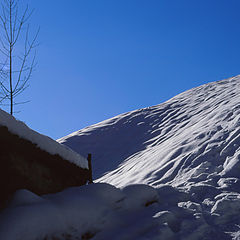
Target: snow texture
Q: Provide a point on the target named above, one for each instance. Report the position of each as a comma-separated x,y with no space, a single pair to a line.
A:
187,148
173,169
43,142
190,140
103,212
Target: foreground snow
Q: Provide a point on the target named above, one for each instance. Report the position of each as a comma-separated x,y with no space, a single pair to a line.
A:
103,212
45,143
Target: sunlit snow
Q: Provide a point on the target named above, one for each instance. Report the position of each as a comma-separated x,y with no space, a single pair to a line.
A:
193,138
168,172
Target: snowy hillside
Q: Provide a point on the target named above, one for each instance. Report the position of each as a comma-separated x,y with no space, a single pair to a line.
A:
189,140
173,168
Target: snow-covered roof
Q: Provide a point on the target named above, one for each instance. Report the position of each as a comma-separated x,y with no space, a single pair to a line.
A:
43,142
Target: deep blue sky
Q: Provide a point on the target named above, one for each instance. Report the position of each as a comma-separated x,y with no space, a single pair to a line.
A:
100,58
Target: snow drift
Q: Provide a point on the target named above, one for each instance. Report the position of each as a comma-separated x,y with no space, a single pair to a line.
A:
175,167
103,212
190,143
192,139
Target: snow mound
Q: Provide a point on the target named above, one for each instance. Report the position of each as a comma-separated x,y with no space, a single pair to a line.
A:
188,149
25,197
140,195
43,142
104,212
190,141
175,167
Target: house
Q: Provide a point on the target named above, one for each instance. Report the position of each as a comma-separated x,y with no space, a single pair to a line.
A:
35,162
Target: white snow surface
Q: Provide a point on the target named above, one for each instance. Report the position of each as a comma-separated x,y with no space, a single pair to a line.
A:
43,142
175,167
103,212
194,138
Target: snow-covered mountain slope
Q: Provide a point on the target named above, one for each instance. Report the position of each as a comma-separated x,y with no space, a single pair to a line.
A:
189,140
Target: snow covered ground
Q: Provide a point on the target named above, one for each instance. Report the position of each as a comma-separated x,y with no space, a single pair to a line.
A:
102,212
191,143
173,168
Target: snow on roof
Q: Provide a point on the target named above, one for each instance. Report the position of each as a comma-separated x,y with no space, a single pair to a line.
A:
43,142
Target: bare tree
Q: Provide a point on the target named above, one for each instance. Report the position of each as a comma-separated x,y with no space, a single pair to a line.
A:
17,60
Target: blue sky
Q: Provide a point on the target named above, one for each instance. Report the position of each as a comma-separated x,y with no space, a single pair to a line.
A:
100,58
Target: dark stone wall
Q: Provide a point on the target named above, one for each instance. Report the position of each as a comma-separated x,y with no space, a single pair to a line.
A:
24,165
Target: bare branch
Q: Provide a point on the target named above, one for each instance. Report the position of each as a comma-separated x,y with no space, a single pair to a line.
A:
16,70
22,21
18,103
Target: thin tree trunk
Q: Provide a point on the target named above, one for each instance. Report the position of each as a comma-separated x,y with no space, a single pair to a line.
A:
11,89
10,59
18,70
